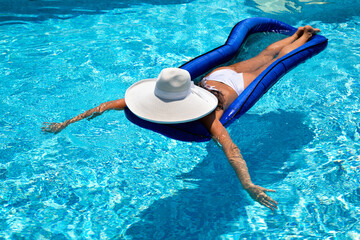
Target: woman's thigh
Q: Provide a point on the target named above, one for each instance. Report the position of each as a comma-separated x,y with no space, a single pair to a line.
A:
250,76
253,64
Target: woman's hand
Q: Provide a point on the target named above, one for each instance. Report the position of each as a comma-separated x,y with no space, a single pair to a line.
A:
53,127
258,194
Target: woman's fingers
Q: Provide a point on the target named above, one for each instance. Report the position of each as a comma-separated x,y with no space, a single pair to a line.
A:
265,200
268,203
269,198
272,203
52,127
268,190
272,200
46,126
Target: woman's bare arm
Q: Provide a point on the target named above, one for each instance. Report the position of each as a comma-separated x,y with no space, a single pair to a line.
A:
89,114
233,154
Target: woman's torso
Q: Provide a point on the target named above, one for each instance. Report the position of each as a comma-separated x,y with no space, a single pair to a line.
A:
228,93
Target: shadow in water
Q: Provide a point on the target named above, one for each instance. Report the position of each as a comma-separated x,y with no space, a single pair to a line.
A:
213,202
22,11
291,11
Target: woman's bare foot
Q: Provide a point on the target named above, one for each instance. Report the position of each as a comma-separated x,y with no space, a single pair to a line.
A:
308,32
299,32
311,30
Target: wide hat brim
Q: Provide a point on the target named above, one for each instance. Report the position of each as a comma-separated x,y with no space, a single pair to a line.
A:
142,101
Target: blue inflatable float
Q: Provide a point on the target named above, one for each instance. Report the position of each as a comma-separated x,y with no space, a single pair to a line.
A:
195,131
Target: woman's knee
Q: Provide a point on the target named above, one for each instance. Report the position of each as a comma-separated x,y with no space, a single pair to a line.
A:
270,52
266,56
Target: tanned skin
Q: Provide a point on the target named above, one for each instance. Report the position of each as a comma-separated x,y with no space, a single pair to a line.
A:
251,69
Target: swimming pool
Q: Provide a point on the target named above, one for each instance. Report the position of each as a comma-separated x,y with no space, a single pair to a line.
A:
109,179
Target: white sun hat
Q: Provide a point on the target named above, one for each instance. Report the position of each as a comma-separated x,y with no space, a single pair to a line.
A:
171,98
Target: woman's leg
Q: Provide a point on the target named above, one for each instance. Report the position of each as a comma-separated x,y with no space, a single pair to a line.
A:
308,33
89,114
267,55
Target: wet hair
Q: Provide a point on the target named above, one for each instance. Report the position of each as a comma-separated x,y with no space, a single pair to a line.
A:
218,94
220,98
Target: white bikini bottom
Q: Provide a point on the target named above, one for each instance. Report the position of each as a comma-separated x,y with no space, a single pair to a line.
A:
229,77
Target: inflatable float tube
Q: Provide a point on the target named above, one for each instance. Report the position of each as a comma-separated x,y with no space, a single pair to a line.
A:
195,131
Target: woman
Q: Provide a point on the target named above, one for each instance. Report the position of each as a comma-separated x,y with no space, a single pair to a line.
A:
226,83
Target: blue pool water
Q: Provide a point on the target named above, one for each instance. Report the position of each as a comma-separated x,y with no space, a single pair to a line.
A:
109,179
